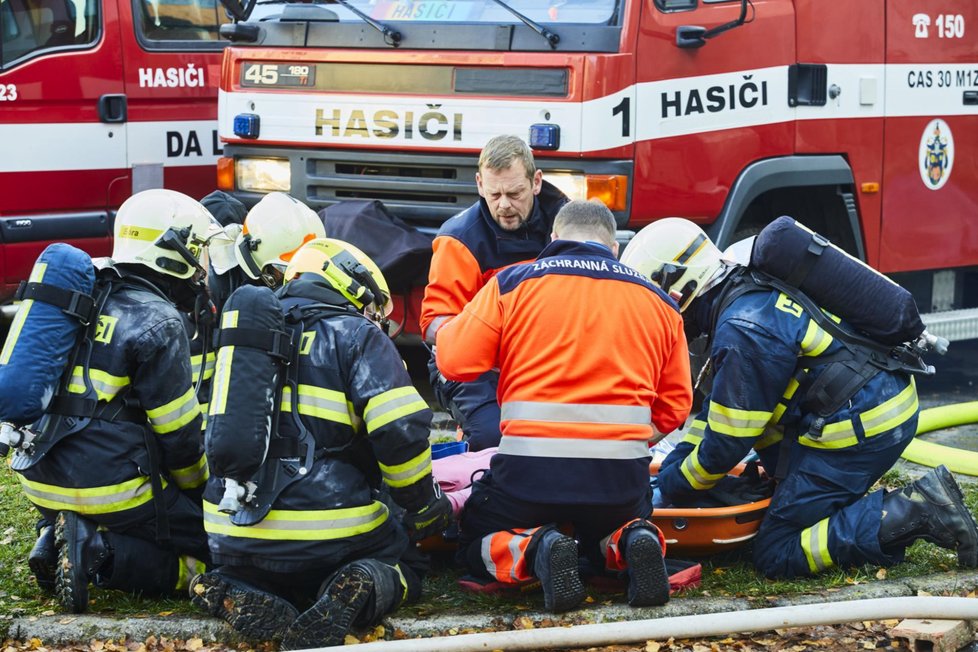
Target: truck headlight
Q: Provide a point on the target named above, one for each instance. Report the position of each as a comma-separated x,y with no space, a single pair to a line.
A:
572,185
263,174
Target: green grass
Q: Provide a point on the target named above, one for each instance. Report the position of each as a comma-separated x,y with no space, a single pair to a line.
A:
727,575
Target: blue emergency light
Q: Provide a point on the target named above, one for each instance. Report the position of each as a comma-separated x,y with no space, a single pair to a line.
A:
544,136
247,125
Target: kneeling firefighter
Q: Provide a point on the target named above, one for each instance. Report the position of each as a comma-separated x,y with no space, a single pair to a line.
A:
313,426
116,462
826,400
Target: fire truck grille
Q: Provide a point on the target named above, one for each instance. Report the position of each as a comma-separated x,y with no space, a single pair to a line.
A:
424,190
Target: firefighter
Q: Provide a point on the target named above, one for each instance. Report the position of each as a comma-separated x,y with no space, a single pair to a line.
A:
260,243
123,484
763,349
592,358
351,562
510,224
272,232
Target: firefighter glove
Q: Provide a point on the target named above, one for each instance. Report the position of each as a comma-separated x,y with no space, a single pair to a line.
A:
433,518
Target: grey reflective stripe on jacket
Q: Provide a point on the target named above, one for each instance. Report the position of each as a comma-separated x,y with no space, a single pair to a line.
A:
575,413
604,449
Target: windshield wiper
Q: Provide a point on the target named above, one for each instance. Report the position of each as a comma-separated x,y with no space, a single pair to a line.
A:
552,39
392,37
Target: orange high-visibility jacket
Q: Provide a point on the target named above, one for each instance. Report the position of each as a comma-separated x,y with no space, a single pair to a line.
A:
590,356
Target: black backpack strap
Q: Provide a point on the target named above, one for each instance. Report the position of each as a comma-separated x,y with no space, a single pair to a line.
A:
276,343
75,304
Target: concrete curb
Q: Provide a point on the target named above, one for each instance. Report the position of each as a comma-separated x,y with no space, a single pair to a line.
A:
56,630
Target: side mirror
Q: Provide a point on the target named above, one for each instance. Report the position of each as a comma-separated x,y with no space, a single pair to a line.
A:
694,36
239,10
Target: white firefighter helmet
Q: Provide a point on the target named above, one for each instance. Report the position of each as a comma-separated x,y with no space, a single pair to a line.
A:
164,230
739,252
348,270
676,255
273,231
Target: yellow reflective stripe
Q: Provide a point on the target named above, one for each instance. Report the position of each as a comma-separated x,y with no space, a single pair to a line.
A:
891,413
391,405
772,435
791,388
407,473
37,274
189,569
142,233
291,525
319,402
90,500
815,544
698,477
190,477
778,412
737,423
834,435
222,380
400,574
208,367
816,340
695,433
175,414
106,385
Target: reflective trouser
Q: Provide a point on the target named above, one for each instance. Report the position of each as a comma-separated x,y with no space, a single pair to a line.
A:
496,531
476,408
185,518
141,563
820,515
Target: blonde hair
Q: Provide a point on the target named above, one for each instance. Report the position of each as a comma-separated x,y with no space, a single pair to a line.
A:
501,151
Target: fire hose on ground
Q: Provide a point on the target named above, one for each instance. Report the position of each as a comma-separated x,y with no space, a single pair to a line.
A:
698,626
932,454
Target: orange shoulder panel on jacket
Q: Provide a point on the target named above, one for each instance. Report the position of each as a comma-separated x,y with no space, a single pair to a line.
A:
453,279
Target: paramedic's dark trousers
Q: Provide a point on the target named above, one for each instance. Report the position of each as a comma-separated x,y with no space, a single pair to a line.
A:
488,510
476,407
820,515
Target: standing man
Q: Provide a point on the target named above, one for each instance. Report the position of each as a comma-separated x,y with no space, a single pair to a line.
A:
118,464
590,356
771,364
510,224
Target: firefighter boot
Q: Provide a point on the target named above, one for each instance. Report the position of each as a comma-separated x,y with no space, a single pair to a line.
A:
82,550
255,614
648,581
43,559
930,508
554,563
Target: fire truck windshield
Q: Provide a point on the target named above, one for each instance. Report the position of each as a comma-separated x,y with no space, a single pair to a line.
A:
592,12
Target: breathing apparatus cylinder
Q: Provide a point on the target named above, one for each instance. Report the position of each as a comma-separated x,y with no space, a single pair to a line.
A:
839,283
56,304
252,345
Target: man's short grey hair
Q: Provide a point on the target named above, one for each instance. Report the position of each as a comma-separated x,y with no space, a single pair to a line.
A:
501,151
586,220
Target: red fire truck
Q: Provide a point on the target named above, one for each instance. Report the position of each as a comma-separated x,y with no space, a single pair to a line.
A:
859,118
100,99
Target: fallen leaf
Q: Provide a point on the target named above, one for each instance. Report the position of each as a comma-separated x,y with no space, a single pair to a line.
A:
165,614
523,623
48,612
194,644
869,645
350,640
652,646
881,574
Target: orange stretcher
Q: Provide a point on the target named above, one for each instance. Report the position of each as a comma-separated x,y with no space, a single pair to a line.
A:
699,531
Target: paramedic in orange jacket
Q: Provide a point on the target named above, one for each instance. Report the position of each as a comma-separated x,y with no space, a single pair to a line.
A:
510,224
591,357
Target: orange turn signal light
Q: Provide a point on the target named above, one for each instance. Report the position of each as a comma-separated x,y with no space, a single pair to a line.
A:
611,189
225,174
870,187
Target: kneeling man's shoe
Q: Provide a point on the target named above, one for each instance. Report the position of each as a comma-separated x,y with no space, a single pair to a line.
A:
255,614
